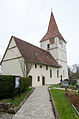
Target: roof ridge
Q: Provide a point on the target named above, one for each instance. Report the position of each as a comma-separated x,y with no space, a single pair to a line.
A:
44,54
28,52
29,43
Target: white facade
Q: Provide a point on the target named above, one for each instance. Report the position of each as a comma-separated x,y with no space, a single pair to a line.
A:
13,64
58,51
42,72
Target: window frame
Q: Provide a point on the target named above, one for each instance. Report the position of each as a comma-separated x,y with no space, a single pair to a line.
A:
63,73
40,66
46,67
50,73
48,46
35,65
57,73
38,78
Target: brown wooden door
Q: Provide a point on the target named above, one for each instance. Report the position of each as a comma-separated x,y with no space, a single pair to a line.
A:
43,80
30,80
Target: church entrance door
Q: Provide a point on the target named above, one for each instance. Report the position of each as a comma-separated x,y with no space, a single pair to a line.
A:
30,80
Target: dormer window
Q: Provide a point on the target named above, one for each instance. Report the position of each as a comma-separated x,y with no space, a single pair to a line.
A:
47,57
36,54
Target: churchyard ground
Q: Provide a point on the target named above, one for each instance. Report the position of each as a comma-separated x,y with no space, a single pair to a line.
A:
63,105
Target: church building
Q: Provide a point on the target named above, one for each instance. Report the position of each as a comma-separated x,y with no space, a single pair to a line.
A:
44,65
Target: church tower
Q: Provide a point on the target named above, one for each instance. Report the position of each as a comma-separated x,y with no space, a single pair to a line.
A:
54,43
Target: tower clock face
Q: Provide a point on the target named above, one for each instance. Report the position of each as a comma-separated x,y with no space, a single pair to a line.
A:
51,40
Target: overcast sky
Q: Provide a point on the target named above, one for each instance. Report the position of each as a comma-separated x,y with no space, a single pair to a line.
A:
28,20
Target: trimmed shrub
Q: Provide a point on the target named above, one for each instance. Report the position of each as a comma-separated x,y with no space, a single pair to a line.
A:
24,84
6,86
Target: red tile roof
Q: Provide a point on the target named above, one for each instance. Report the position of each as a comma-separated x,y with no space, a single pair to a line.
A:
52,30
35,54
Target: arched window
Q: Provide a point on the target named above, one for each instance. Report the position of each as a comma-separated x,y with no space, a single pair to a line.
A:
50,73
63,72
57,74
38,78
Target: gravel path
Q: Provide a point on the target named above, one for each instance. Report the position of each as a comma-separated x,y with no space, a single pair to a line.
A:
6,115
38,106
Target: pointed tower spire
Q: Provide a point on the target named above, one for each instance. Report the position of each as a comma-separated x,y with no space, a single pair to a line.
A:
52,29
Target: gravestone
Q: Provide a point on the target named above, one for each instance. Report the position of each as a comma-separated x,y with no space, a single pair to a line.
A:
64,84
78,82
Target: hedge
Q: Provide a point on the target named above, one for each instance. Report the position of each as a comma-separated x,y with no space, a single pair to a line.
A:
24,84
6,86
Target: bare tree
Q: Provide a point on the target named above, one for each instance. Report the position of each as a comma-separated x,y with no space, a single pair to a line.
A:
28,67
75,68
69,71
73,71
25,66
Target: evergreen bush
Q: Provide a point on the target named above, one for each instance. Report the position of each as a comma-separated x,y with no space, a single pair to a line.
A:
6,86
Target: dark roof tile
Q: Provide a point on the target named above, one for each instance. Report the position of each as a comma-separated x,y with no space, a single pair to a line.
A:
52,30
35,54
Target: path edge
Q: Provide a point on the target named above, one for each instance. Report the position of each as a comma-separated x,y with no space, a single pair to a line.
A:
13,111
56,114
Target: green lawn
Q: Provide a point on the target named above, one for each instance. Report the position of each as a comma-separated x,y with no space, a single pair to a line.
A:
17,100
63,106
56,85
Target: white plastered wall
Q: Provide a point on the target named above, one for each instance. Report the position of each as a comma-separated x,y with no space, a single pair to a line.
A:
12,67
35,72
11,64
43,44
62,59
58,51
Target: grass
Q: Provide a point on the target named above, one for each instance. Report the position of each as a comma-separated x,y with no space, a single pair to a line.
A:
17,100
56,85
63,106
70,86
